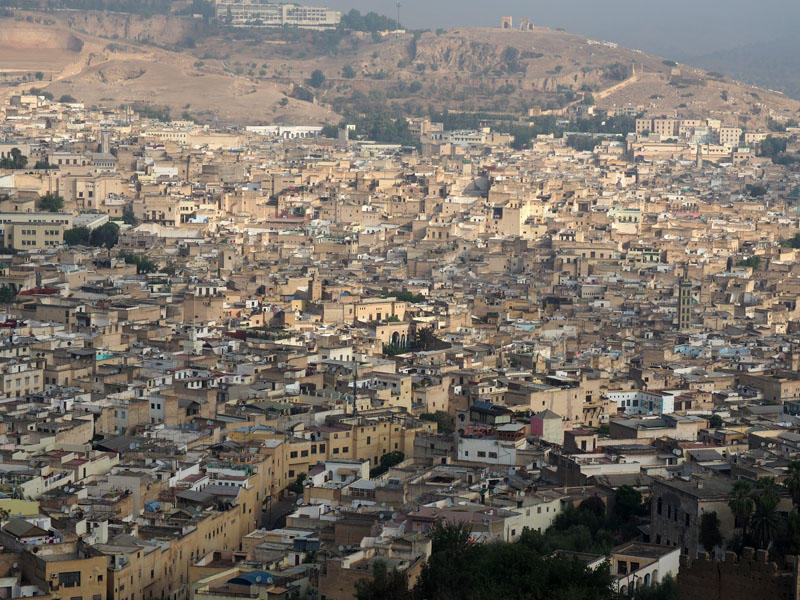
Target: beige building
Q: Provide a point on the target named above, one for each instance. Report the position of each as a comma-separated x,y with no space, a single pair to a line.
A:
33,231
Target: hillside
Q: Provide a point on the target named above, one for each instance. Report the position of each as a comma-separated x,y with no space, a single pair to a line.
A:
237,76
770,64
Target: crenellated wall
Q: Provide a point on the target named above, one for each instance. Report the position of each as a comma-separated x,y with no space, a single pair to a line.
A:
737,578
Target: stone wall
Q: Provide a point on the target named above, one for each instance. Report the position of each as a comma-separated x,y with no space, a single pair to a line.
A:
737,578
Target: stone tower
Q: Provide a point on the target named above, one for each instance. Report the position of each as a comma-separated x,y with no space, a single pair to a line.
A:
685,302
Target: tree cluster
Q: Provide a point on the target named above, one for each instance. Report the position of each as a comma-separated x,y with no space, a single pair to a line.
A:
757,520
460,569
371,22
14,160
387,462
581,143
143,263
107,236
444,422
51,203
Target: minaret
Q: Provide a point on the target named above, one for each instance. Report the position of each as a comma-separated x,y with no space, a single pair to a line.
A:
699,156
685,301
355,385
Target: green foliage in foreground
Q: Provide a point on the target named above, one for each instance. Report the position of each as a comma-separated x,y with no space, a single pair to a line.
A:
461,570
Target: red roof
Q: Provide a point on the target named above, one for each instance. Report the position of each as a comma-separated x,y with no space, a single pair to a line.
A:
40,292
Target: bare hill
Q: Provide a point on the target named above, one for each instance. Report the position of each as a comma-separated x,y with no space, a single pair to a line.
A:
263,76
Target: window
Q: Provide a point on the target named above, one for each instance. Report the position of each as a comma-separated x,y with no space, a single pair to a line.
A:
293,454
346,449
70,579
481,454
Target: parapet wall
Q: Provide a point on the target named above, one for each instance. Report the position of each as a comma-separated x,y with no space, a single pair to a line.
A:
747,577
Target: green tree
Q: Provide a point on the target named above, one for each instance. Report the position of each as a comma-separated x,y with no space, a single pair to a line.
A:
330,131
458,568
406,296
14,160
424,338
628,503
106,235
384,584
710,536
792,242
444,422
297,485
77,236
7,294
129,217
143,264
753,262
348,72
371,22
581,143
765,519
67,99
317,79
510,58
792,482
449,572
740,501
387,462
51,202
716,422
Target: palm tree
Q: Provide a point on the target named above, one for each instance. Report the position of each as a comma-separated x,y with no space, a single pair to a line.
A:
765,516
792,482
740,501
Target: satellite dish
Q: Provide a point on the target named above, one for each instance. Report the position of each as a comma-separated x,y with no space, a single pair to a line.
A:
380,516
258,578
522,493
394,515
341,548
299,501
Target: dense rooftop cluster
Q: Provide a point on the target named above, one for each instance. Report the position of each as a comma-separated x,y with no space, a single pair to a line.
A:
259,362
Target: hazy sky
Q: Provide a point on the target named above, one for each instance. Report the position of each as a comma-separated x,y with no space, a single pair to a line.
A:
676,29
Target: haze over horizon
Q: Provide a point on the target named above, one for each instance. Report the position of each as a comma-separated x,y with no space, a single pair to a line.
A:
680,30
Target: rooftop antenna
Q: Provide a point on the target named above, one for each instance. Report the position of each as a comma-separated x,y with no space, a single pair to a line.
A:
397,3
